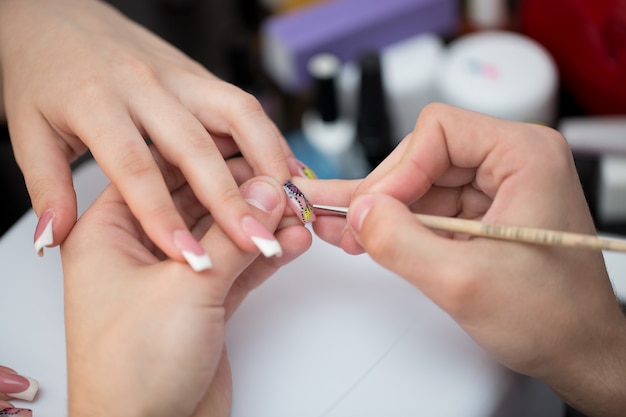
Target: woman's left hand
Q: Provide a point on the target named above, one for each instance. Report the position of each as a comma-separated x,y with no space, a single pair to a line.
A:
145,335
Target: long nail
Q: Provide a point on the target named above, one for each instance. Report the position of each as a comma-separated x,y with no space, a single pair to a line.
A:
261,237
18,386
305,171
16,412
299,203
192,251
263,196
299,168
43,232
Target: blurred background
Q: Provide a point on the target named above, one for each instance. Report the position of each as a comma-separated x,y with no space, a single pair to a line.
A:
344,80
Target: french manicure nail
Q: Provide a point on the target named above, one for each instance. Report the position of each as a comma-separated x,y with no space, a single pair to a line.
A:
192,251
299,202
43,232
18,386
261,237
16,412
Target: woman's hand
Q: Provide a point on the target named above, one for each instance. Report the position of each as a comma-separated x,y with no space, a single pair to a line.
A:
78,75
547,312
145,335
15,386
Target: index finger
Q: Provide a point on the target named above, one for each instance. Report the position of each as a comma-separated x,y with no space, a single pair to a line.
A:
231,112
444,138
511,159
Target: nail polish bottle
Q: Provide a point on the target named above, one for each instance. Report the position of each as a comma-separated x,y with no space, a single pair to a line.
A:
327,141
373,128
409,70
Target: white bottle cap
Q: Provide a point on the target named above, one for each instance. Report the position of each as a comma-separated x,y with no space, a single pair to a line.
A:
487,14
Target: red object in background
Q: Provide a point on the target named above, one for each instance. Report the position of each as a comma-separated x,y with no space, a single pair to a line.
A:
587,39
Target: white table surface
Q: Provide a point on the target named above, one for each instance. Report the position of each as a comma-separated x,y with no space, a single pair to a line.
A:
329,335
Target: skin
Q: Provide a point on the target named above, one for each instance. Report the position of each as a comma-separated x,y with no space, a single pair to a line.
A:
78,75
145,334
545,312
5,398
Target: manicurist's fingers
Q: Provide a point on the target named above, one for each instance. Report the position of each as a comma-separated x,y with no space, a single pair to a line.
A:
444,138
391,234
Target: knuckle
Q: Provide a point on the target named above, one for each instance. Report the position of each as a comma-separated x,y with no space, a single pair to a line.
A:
557,154
245,104
133,163
461,289
230,197
136,67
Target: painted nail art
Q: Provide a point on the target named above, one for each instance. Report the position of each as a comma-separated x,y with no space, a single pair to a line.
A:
305,171
192,251
43,231
18,386
299,202
16,412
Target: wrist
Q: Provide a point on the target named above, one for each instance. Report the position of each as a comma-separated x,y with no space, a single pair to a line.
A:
591,376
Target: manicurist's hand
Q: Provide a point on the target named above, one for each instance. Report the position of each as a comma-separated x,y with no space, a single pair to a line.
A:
78,75
543,311
145,334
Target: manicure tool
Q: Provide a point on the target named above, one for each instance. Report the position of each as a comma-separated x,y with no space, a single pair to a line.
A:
512,233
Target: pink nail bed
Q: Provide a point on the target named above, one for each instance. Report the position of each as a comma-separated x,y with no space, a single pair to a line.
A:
18,386
19,412
299,203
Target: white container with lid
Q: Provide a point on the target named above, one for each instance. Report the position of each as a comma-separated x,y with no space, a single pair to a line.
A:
504,74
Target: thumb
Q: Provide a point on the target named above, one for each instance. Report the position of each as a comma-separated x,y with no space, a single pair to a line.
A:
392,236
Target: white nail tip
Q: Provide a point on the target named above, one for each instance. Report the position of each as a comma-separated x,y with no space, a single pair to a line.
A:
29,393
45,239
268,247
197,262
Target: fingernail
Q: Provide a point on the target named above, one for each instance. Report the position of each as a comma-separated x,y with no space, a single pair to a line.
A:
262,238
359,209
261,195
192,251
19,412
18,386
299,168
299,203
43,231
305,171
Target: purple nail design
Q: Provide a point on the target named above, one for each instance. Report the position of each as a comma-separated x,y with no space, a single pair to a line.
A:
299,202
